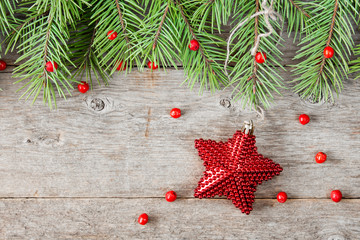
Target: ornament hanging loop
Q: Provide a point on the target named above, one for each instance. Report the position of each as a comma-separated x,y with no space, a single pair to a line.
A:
248,127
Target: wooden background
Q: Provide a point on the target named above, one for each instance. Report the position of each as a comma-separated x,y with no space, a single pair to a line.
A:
87,170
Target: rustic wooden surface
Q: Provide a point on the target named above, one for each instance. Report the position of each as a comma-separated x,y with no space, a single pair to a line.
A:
88,169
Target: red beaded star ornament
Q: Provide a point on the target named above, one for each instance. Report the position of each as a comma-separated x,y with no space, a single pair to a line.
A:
234,168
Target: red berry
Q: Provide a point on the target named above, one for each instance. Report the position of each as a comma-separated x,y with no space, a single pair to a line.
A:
320,157
329,52
304,119
336,195
120,65
194,45
50,68
175,113
143,219
3,65
112,34
170,196
152,65
83,87
281,197
260,57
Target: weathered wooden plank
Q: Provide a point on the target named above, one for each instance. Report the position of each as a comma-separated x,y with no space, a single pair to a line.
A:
182,219
133,148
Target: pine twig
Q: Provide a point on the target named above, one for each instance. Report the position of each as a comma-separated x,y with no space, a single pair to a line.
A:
160,26
207,61
122,23
299,8
47,36
253,77
92,40
330,36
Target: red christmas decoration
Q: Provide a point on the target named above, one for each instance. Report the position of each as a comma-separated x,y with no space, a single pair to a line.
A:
304,119
281,197
260,57
120,65
329,52
234,168
175,113
336,195
3,65
170,196
83,87
152,65
112,34
143,219
194,45
320,157
50,68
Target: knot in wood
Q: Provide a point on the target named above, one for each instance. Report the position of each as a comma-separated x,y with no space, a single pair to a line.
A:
225,102
97,104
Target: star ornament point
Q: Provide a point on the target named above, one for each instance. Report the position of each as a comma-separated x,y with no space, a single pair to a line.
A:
233,169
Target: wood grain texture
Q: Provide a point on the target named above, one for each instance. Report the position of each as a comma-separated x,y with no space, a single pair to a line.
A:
88,169
133,148
183,219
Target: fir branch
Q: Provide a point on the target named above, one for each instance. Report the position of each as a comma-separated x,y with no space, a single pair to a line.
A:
217,11
265,77
7,19
159,39
160,26
329,39
192,33
329,25
83,52
255,66
42,37
6,15
296,14
122,23
299,8
125,19
201,66
355,68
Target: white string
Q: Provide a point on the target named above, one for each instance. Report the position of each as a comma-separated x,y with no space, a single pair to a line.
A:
260,113
267,12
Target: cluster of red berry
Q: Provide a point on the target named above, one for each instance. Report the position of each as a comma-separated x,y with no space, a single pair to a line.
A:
320,157
169,196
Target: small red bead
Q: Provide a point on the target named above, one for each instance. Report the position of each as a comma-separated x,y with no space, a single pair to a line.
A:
112,34
336,195
152,65
175,113
3,65
143,219
170,196
260,57
329,52
49,66
120,65
320,157
194,45
281,197
83,87
304,119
